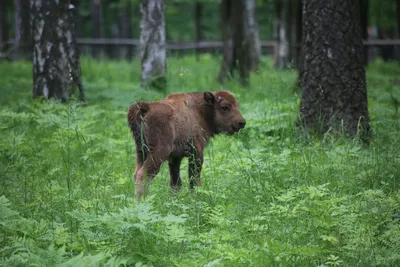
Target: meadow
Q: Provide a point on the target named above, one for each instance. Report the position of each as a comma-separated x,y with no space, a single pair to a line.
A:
271,196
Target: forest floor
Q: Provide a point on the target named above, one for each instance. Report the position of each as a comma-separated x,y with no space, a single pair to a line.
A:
271,196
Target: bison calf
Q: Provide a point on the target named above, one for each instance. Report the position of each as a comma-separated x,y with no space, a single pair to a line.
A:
179,126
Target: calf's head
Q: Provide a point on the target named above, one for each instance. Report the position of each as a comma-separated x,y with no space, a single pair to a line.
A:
226,117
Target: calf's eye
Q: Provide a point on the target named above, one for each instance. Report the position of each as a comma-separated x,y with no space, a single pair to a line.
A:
225,108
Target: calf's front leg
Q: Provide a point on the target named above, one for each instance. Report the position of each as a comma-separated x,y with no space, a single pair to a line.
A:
195,165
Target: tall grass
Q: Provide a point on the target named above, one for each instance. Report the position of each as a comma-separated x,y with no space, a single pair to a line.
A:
270,197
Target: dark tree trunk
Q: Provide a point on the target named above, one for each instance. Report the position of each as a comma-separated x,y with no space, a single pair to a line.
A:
23,32
334,84
97,27
152,43
288,20
198,16
3,26
240,37
364,4
240,46
53,40
227,37
125,28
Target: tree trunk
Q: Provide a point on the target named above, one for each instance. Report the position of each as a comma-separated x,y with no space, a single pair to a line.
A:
252,37
240,37
364,25
277,25
3,26
53,39
125,28
227,38
198,16
334,84
97,27
284,23
288,19
23,32
152,43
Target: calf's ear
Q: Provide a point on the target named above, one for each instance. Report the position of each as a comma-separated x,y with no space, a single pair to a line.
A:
209,98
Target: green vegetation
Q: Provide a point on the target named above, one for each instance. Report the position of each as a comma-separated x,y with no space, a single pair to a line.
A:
271,197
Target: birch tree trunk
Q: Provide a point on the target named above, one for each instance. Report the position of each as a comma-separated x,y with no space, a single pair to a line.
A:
277,25
241,39
54,55
152,44
283,10
252,37
334,84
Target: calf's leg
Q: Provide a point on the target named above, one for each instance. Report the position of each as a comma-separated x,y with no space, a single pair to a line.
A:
140,157
141,150
195,164
175,181
151,166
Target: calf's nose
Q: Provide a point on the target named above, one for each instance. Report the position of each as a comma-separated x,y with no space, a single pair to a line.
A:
242,123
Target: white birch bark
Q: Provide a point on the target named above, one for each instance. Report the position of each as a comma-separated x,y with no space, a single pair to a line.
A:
52,41
152,43
252,34
283,45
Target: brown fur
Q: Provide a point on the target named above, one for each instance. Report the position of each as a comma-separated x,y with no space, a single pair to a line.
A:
179,126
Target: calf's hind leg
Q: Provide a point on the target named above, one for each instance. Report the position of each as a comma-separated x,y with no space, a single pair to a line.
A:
141,149
150,168
140,157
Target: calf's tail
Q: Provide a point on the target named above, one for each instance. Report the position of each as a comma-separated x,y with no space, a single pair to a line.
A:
136,113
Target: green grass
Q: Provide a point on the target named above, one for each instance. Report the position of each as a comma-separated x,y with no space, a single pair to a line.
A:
270,197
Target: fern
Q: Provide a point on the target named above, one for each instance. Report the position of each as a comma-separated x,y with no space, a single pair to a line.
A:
271,197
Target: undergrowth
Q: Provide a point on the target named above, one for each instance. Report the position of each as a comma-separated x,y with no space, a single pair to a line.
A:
270,197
